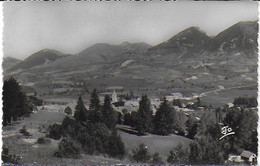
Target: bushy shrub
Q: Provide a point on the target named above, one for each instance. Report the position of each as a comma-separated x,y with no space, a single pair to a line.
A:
68,148
43,140
35,101
178,155
68,110
24,132
141,154
54,131
157,159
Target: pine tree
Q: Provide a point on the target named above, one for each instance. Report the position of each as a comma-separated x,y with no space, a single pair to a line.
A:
95,108
14,101
80,111
109,114
115,146
22,105
164,119
192,126
144,116
94,101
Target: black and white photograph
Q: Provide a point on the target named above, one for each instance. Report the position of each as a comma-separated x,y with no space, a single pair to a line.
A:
130,83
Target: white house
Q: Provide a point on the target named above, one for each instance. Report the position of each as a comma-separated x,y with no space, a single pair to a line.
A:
230,105
249,156
186,110
235,158
177,95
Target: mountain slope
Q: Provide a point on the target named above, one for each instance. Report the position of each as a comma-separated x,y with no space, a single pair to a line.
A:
9,62
105,52
191,40
98,55
39,58
241,37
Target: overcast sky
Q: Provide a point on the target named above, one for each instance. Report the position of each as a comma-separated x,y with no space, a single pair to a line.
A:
70,27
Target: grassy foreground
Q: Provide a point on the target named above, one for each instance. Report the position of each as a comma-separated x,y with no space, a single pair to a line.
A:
31,152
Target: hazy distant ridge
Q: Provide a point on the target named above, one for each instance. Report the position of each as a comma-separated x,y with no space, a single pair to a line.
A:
241,37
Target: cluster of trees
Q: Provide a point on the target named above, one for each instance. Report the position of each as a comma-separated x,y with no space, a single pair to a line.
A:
206,147
142,155
165,121
245,101
90,131
244,123
178,155
15,103
97,112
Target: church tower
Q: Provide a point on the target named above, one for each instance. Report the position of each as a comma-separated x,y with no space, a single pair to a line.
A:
114,97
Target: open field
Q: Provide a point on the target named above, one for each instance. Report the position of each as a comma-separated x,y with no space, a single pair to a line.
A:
219,99
32,123
154,143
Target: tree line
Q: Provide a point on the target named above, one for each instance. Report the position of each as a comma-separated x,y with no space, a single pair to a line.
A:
165,121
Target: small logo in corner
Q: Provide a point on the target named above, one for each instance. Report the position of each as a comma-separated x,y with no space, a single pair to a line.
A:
226,131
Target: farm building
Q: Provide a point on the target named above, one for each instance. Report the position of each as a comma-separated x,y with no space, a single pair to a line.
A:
248,156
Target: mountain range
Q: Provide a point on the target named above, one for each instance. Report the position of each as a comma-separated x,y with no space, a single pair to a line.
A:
189,62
